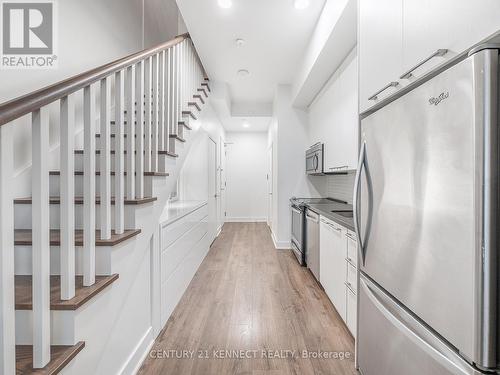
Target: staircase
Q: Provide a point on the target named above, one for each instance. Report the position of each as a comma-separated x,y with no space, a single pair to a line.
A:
92,218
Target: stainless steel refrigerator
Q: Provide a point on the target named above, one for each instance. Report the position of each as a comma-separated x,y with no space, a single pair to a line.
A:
426,211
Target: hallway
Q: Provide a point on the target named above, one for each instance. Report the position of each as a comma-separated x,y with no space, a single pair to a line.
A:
252,309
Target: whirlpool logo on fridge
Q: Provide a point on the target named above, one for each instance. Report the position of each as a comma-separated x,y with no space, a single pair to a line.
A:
28,35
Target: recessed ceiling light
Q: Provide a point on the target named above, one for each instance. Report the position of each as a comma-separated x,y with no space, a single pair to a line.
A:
240,42
225,3
246,124
301,4
243,72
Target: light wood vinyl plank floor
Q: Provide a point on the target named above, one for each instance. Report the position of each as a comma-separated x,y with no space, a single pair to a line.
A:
247,299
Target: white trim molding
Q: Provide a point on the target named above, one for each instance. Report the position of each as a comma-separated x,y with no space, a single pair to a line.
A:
246,219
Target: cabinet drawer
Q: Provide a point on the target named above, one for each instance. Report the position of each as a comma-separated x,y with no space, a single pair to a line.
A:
351,316
171,233
351,279
352,248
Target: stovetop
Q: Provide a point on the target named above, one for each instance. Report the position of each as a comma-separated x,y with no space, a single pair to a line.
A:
334,204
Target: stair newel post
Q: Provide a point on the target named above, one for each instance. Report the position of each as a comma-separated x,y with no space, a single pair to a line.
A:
130,131
139,139
147,115
89,153
161,100
168,98
7,287
40,237
154,127
67,188
193,68
119,149
105,159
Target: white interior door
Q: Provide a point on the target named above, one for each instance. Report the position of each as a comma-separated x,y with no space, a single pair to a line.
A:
222,183
212,188
270,188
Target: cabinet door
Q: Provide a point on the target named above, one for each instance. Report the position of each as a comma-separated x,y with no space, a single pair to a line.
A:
429,25
380,47
351,316
332,265
339,270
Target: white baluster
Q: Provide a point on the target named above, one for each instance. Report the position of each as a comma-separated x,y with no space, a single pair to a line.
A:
119,127
89,186
178,87
67,205
147,117
154,127
7,303
105,159
168,97
130,139
40,238
173,91
161,100
139,140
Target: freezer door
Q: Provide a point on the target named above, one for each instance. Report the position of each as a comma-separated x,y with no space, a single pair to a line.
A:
391,342
422,224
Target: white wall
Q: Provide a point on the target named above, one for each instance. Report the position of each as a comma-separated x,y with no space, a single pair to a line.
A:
290,138
246,176
90,33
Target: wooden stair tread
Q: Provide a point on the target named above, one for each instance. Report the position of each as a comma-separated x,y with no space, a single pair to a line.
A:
80,173
79,200
205,84
177,137
23,237
185,124
194,104
60,356
190,114
200,98
203,91
169,153
82,293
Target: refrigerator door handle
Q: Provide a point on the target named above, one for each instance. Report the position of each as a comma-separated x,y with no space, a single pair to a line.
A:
361,163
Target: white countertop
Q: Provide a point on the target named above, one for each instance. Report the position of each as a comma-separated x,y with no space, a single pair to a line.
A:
173,211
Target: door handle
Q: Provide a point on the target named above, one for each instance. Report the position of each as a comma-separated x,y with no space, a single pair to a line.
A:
409,73
355,204
390,84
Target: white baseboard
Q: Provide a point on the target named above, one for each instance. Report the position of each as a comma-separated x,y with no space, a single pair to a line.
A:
280,245
246,219
134,361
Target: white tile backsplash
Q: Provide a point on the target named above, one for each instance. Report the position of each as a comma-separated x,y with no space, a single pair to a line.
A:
340,186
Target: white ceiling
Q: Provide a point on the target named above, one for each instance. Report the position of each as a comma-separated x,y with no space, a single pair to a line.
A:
276,36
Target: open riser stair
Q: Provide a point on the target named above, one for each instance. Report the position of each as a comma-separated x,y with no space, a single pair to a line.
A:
88,218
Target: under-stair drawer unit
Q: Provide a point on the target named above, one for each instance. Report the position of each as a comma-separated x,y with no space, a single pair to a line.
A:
184,244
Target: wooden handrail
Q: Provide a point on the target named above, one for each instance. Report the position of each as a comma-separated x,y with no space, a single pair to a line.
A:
25,104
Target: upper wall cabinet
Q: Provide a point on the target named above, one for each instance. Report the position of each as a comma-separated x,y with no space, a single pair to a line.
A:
380,49
430,26
410,36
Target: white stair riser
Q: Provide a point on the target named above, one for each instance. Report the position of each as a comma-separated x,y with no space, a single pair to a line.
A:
23,260
54,185
22,216
62,327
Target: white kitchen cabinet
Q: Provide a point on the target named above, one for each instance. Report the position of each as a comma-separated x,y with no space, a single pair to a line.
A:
351,311
380,42
397,35
332,264
333,117
429,25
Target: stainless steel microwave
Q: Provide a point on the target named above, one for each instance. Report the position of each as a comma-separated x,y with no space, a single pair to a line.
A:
314,159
